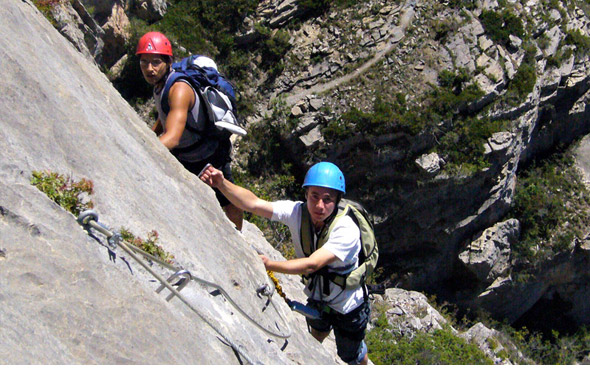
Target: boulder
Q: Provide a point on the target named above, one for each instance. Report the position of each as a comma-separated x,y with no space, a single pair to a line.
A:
429,163
409,311
150,10
116,34
488,257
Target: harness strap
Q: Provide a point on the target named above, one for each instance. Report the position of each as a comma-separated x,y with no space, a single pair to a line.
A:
309,246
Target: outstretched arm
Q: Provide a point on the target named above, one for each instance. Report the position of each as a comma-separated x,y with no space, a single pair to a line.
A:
240,197
305,265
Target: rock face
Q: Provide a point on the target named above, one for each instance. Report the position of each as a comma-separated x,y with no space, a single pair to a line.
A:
410,312
488,257
100,29
68,297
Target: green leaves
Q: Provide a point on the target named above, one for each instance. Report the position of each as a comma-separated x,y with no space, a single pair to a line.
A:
63,190
442,347
149,245
499,26
547,203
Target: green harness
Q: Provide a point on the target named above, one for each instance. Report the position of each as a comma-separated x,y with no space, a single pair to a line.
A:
368,255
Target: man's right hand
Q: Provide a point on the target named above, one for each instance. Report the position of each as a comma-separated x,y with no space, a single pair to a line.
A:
240,197
212,176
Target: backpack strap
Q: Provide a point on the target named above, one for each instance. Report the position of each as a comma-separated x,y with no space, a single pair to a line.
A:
198,81
306,232
171,80
309,246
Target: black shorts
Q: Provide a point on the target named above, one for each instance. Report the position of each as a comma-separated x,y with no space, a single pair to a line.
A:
349,330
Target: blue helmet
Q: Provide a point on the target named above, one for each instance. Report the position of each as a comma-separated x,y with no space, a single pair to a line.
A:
327,175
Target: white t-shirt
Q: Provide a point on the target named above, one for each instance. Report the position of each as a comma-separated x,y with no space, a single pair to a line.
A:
344,242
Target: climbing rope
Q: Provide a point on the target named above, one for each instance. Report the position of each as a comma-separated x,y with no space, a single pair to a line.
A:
278,287
295,306
90,218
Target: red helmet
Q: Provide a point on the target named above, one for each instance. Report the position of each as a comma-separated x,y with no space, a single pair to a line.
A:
154,43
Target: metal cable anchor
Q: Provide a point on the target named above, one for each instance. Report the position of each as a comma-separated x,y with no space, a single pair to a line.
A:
264,290
173,278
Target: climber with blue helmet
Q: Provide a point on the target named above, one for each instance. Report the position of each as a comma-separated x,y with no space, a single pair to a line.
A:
337,238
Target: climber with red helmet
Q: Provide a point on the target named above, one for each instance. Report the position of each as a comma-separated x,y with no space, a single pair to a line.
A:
184,129
337,239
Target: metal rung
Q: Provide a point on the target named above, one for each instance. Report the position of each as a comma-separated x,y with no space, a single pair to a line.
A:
175,277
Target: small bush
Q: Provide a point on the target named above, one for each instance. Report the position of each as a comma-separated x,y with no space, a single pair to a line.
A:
386,117
547,200
45,7
273,47
314,7
499,26
463,4
149,246
555,350
439,348
524,80
66,192
445,104
582,42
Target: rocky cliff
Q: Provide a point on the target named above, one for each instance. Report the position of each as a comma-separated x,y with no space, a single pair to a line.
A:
432,183
68,296
449,101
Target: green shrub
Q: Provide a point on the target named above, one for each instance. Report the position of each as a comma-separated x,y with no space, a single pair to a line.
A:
69,194
559,57
463,152
582,42
206,26
462,145
314,7
149,245
463,4
442,347
499,26
46,6
555,350
386,117
273,45
524,80
442,28
548,196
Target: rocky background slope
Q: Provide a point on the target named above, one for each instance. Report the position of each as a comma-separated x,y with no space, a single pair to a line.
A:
68,297
442,204
438,169
435,110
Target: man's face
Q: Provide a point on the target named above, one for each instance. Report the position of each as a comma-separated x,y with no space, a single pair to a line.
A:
321,202
153,67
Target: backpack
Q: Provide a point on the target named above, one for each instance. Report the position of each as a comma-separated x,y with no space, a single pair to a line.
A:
215,91
368,255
